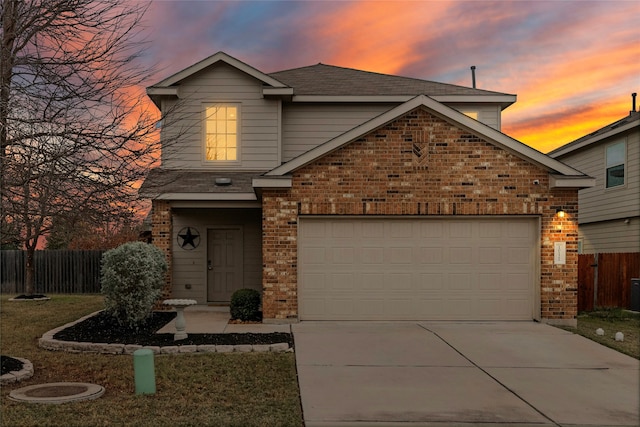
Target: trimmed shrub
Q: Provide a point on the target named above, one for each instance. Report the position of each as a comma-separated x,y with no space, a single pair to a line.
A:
245,305
132,278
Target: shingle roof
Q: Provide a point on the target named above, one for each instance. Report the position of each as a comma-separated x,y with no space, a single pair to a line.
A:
329,80
163,181
611,129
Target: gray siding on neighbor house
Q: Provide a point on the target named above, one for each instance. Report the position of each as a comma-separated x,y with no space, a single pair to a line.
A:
599,203
190,266
182,130
610,236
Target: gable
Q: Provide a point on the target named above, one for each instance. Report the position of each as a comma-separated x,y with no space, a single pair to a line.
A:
169,86
562,175
422,158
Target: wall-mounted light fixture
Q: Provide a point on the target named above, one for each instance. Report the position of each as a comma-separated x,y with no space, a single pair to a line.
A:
560,213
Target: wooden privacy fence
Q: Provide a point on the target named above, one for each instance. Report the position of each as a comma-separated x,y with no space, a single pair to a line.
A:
61,271
604,280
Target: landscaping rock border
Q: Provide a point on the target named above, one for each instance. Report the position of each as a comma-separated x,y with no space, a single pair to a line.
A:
16,376
49,343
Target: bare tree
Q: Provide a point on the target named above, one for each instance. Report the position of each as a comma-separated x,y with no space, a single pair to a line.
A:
76,138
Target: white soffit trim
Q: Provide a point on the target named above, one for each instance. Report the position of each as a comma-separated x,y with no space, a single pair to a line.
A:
272,182
563,181
216,204
503,100
474,99
447,113
206,196
220,56
277,91
159,91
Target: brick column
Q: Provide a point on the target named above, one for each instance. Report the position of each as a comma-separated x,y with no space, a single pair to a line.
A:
559,283
162,232
280,257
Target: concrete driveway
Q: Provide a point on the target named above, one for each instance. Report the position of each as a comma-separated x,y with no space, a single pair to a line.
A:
444,374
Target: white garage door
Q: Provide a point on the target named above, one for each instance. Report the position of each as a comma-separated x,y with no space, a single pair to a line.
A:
417,269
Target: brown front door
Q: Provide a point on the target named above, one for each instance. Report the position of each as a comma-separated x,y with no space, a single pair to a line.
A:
224,263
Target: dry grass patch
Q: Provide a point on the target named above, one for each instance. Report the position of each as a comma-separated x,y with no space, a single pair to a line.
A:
237,389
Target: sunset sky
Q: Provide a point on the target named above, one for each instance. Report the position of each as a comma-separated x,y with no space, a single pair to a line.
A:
572,64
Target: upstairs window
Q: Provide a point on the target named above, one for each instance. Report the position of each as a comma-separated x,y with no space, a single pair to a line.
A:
615,158
221,133
472,114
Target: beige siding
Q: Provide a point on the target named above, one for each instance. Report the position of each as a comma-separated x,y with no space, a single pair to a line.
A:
599,203
260,120
190,266
610,236
487,114
305,126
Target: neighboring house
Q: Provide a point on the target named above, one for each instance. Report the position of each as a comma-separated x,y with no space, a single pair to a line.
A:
609,218
344,194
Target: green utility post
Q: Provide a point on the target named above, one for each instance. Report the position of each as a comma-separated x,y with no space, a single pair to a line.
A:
145,375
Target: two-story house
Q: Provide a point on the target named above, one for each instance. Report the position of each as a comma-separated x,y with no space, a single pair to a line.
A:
609,211
345,194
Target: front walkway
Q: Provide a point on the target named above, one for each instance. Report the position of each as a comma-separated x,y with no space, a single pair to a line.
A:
445,373
204,319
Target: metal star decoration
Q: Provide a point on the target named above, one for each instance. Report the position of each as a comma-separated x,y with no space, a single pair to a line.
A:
188,238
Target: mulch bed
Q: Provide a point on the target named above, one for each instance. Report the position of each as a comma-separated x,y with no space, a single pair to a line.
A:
103,328
9,364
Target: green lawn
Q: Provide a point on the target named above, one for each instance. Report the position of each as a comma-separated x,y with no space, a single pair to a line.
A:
612,321
230,389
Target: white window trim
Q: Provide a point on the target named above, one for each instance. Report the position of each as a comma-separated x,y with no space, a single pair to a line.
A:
203,137
624,163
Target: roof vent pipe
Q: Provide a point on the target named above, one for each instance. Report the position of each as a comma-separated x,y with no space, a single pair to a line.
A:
473,76
633,102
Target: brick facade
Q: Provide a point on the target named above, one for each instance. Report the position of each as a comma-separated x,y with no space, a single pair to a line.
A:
161,234
420,165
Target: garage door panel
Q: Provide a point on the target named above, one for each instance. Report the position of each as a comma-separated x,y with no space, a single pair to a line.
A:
490,230
400,255
315,255
373,281
463,255
343,255
459,281
517,282
489,281
417,269
430,281
314,281
460,229
431,229
342,229
519,256
519,230
490,255
372,255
